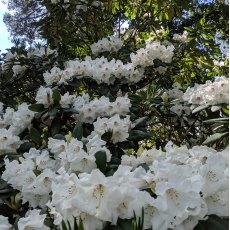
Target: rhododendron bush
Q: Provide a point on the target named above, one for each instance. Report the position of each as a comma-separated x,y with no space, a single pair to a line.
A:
106,141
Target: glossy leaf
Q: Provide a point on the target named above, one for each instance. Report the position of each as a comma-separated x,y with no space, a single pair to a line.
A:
101,160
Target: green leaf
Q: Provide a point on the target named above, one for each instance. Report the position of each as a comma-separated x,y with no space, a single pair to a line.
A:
78,131
3,184
35,136
26,146
214,138
6,190
101,160
55,126
69,227
107,136
188,29
104,89
63,224
59,137
36,107
75,227
37,172
217,120
56,96
135,98
199,108
126,145
138,135
80,226
213,223
52,111
125,224
144,166
140,121
69,110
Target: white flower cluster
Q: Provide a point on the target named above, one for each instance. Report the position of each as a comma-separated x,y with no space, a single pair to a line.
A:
9,56
73,157
182,38
119,127
100,69
17,67
34,188
34,174
87,110
96,199
41,51
210,93
177,93
33,220
17,121
189,184
113,44
145,56
12,123
104,71
90,110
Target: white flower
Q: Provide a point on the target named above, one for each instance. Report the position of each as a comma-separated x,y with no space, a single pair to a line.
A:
37,193
4,223
67,100
8,141
95,144
7,118
44,161
111,44
119,127
89,111
41,51
56,146
102,198
104,71
21,119
44,96
43,181
176,92
214,176
56,215
210,93
18,69
52,77
218,204
33,220
77,162
177,109
13,170
131,160
181,38
155,50
32,154
178,191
